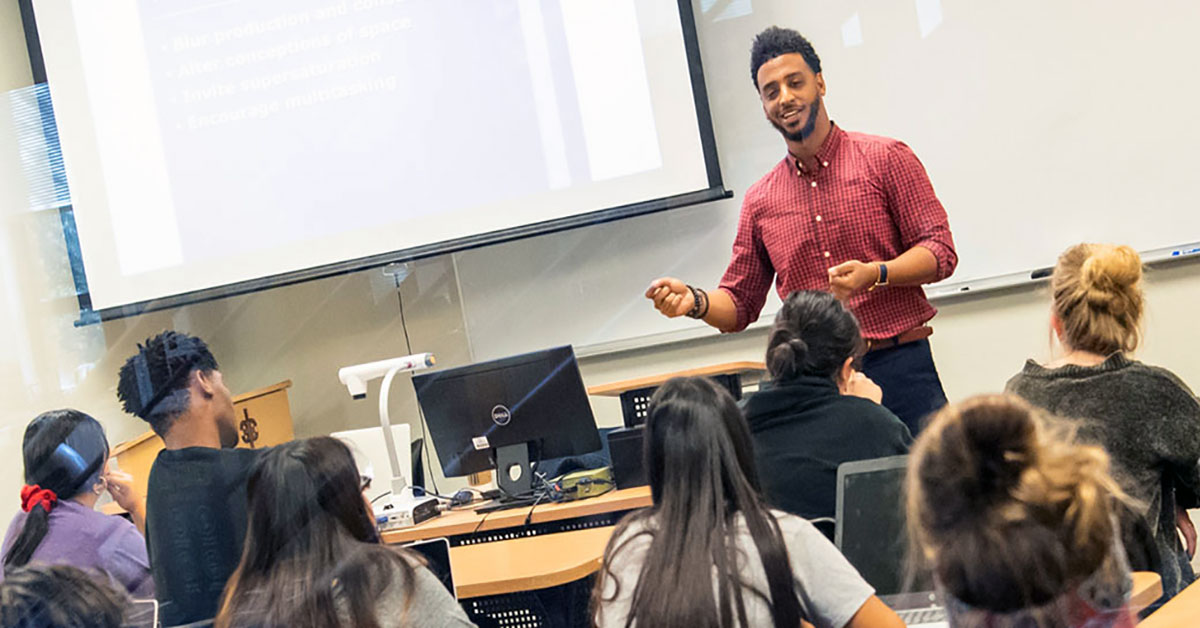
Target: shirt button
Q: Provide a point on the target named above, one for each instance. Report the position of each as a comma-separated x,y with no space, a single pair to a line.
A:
826,253
818,219
824,164
814,184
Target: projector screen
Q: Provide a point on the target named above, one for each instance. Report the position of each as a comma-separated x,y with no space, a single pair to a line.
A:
216,147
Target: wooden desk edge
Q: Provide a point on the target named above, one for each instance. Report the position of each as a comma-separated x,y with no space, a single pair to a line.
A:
616,388
1147,587
120,448
1180,612
530,583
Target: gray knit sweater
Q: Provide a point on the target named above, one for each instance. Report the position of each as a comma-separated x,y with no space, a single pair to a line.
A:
1148,421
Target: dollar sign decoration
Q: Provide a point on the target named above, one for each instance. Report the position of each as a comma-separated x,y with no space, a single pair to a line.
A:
249,428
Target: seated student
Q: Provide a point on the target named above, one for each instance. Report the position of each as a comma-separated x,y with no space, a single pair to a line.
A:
196,498
1017,522
65,453
816,412
313,557
58,596
1144,416
709,553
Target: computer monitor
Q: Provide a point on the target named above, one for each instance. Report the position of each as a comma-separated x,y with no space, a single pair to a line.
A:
870,527
506,413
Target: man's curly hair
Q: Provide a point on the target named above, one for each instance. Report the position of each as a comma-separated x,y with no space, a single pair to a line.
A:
153,383
775,42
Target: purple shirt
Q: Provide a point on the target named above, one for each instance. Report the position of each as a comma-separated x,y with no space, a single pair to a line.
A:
92,541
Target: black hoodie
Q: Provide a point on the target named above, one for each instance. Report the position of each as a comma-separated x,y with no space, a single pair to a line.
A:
803,429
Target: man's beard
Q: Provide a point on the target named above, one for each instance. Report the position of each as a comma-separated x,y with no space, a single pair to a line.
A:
805,131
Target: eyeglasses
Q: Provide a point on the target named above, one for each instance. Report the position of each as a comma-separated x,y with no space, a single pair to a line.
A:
364,482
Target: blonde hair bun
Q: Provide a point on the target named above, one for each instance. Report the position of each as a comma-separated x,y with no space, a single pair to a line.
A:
1098,297
1111,268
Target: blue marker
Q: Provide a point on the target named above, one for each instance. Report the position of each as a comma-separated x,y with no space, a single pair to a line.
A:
1185,252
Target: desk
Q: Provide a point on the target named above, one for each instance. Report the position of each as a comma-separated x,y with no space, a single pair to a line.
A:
467,523
497,553
1183,611
729,368
505,569
529,563
635,393
1147,587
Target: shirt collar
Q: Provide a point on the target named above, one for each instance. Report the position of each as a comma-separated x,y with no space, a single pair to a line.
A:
824,154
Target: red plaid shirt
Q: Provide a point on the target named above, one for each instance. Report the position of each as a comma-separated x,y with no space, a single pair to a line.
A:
868,199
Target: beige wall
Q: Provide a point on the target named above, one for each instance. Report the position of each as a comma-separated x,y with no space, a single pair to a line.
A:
305,332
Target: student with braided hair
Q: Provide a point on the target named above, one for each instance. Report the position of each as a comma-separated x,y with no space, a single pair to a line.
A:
196,496
65,452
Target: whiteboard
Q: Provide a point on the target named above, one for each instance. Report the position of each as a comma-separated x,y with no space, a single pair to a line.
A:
1041,124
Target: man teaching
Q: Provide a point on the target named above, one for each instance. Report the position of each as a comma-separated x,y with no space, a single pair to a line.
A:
847,212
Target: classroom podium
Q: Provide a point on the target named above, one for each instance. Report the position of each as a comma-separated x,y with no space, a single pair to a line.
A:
264,419
502,560
635,393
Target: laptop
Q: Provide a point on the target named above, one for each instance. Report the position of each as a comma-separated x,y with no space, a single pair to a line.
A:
870,532
437,557
141,614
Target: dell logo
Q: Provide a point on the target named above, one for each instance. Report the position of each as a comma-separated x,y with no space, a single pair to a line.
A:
501,415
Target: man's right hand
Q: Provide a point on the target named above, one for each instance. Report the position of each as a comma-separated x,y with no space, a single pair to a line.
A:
671,297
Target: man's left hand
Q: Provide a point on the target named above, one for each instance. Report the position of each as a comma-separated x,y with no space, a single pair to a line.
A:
1184,523
847,278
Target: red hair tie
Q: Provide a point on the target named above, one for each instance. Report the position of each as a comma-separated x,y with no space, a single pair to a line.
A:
35,495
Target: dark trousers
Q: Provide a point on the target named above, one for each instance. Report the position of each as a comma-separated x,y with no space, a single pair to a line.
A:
911,388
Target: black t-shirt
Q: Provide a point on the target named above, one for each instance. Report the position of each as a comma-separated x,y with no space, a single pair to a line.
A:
803,429
195,525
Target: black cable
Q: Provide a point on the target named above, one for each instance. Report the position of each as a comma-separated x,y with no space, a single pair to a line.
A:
420,412
379,497
480,524
529,515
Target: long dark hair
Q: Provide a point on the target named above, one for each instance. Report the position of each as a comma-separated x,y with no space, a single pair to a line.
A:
814,333
700,464
309,527
64,452
58,596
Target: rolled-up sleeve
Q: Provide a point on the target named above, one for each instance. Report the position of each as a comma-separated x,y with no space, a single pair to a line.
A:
916,210
749,275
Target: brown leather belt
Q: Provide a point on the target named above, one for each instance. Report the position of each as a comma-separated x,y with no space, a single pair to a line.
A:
903,338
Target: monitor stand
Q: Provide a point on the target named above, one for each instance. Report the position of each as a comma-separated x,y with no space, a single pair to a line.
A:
514,476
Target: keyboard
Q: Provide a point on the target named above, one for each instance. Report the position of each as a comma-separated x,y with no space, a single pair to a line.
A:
919,616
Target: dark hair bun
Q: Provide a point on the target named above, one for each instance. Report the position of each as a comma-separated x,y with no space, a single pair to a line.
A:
787,354
813,335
